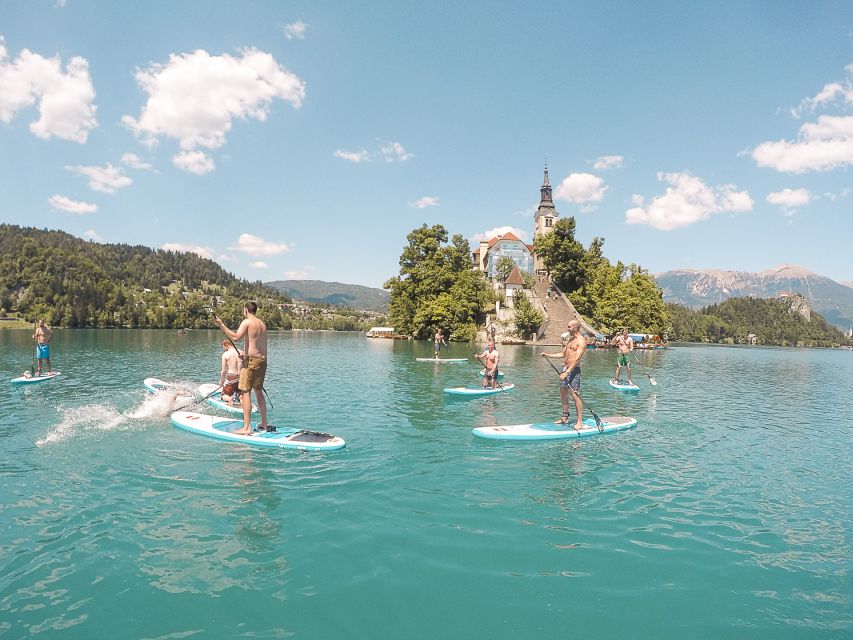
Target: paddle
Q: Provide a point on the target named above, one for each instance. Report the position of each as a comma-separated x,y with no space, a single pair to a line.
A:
594,415
33,363
485,368
210,309
652,381
192,404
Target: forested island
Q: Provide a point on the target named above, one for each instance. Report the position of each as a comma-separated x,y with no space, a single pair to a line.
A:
70,282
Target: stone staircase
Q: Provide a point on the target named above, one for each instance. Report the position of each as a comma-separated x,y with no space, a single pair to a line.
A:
560,310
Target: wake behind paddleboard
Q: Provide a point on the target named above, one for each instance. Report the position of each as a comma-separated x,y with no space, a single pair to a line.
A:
623,386
478,391
216,400
550,431
442,360
221,428
155,385
44,377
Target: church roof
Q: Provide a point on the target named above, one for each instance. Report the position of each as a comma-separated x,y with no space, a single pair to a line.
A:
515,277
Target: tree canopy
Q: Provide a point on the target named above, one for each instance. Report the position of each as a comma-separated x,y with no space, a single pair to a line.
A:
437,288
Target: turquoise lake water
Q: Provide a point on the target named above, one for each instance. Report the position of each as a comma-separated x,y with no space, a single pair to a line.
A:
725,514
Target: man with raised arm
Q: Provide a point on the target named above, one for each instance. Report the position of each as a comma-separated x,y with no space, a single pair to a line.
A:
570,377
254,333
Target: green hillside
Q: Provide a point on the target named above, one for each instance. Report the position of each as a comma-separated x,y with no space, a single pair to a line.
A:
77,283
787,322
335,293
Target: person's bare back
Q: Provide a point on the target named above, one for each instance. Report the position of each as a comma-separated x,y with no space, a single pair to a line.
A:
256,336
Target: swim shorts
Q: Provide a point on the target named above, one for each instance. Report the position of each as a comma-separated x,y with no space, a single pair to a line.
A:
43,351
622,360
572,380
253,373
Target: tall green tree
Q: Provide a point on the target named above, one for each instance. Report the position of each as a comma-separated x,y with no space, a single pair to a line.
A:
562,254
437,287
526,317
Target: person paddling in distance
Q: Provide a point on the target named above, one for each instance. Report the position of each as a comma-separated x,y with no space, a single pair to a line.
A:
439,340
42,335
570,377
490,358
254,370
625,344
229,374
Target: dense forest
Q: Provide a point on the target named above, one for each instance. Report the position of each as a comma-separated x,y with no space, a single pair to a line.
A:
71,282
770,321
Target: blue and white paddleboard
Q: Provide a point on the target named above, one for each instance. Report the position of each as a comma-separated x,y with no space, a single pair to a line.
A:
221,428
442,360
623,386
550,431
216,400
44,377
483,372
479,391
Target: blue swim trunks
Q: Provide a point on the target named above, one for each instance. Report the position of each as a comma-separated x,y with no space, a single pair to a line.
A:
572,380
42,351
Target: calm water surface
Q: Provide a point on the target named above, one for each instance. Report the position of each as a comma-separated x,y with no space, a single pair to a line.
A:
724,514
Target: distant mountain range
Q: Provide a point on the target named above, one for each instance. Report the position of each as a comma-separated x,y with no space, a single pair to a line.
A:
337,293
698,288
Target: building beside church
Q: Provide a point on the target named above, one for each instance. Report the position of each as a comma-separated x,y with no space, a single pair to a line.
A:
486,256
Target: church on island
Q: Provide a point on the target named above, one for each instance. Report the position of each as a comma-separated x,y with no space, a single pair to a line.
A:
486,256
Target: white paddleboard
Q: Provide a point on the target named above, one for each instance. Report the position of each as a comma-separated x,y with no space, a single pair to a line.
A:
551,431
36,378
221,428
479,391
442,360
623,386
155,385
216,400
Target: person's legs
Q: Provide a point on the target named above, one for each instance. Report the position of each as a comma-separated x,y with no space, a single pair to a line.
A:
628,372
579,409
262,407
564,402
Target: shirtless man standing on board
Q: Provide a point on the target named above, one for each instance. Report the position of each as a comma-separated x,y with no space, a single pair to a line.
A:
570,376
254,365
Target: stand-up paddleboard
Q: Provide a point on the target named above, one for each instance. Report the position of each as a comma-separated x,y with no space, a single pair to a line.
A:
623,386
44,377
284,437
442,360
483,373
155,385
216,400
550,431
478,391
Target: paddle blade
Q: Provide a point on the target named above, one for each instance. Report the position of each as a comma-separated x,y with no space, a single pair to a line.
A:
653,382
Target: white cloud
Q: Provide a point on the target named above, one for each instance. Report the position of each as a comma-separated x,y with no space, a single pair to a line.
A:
195,97
71,206
686,200
294,30
302,274
423,203
608,162
581,188
820,146
353,156
89,234
790,199
197,162
259,264
255,246
393,151
203,252
521,234
106,179
65,99
135,162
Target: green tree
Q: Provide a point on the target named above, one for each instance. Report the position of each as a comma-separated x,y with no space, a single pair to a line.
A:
437,288
504,267
562,254
526,317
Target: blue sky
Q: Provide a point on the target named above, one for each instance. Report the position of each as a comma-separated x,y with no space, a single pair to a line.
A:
306,139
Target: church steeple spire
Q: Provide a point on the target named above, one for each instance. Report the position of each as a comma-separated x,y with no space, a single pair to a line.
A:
545,190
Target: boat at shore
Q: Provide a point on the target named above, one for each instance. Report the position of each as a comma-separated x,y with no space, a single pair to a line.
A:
385,332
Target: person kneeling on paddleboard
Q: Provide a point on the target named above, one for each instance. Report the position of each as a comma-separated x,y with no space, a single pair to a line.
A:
570,377
229,374
254,331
